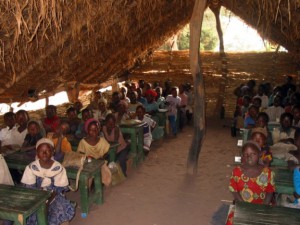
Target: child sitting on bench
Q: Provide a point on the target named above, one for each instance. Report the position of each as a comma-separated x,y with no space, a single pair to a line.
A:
259,135
60,141
47,174
251,182
32,137
93,145
293,160
148,127
293,157
112,133
286,131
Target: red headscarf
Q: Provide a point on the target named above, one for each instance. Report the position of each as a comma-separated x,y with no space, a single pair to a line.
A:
87,123
151,92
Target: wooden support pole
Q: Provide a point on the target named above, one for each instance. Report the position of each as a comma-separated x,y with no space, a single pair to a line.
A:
199,103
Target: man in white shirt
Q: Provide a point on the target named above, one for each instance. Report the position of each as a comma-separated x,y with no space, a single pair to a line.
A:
274,112
19,134
264,98
173,102
6,137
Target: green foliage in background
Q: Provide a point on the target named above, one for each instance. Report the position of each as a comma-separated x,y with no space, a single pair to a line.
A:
209,35
184,38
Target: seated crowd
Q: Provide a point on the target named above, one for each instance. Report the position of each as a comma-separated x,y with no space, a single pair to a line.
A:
283,99
253,180
89,130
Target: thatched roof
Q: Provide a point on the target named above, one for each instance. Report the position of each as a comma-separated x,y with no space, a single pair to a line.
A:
48,45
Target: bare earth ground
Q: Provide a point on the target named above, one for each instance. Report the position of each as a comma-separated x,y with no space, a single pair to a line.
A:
159,192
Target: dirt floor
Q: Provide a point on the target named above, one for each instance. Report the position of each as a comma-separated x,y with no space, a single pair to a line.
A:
159,192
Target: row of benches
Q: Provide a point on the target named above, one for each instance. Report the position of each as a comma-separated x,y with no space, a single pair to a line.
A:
13,206
17,211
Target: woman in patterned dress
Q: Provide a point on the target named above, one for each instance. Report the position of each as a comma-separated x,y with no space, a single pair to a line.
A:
251,182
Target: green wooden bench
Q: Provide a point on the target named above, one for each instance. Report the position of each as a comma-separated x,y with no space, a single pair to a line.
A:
113,151
252,214
245,134
160,129
87,197
18,203
136,140
272,125
20,160
162,117
283,181
279,163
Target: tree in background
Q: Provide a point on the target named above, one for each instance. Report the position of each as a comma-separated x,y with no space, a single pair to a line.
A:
184,38
234,41
209,36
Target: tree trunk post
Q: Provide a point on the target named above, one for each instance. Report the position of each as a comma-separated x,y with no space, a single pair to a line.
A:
199,104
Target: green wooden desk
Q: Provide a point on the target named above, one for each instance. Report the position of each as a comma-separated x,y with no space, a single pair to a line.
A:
18,203
279,163
272,125
283,180
113,151
137,140
245,134
162,115
87,197
20,160
252,214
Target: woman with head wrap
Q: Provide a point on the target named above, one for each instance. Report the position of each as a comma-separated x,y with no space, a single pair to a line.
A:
47,174
151,105
93,145
96,147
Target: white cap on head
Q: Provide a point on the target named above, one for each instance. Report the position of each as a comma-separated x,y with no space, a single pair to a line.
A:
44,141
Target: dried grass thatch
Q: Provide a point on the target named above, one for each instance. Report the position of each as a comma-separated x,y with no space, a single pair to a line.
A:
51,45
47,43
